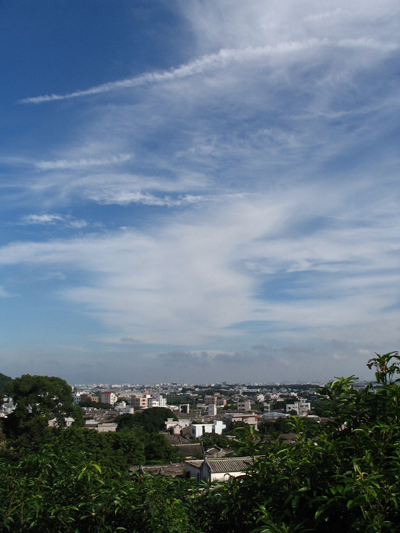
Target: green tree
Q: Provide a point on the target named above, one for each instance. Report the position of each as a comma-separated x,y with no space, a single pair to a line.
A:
159,450
214,439
151,420
63,490
37,400
3,382
346,478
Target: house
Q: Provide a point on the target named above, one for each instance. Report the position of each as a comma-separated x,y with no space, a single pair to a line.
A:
273,415
176,427
190,451
7,407
54,423
215,451
88,397
198,430
105,427
170,470
250,419
300,408
77,397
123,409
217,469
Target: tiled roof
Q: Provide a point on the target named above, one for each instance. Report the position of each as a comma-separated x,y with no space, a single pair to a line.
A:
234,464
166,470
190,449
197,463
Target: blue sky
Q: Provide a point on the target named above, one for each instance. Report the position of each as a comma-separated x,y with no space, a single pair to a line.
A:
198,191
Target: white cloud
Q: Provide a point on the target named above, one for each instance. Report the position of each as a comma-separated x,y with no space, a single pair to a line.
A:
206,63
52,219
189,280
338,357
62,164
42,219
271,97
220,60
326,15
5,294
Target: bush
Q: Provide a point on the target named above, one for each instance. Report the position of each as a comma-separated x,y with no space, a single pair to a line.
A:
347,478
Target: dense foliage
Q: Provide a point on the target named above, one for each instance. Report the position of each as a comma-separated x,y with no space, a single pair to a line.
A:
51,492
37,400
151,420
345,478
3,382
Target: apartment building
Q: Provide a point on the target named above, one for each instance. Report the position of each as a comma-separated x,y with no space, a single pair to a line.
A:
244,406
108,397
139,401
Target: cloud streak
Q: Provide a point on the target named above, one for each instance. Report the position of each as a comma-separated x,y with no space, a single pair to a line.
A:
62,164
53,219
216,61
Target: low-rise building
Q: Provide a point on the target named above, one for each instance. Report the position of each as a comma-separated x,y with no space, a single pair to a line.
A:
88,397
184,408
152,402
54,422
198,430
217,469
7,407
300,408
273,415
107,427
250,419
76,395
101,427
176,427
210,400
244,406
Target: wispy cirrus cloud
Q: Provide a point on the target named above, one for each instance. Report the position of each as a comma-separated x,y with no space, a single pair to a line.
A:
216,61
325,15
53,219
235,270
206,63
62,164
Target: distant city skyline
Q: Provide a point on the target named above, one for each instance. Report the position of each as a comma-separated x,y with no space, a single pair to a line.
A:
198,190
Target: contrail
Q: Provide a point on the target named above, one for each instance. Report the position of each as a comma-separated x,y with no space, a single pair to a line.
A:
206,63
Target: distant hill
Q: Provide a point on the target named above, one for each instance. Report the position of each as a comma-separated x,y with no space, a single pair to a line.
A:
3,380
